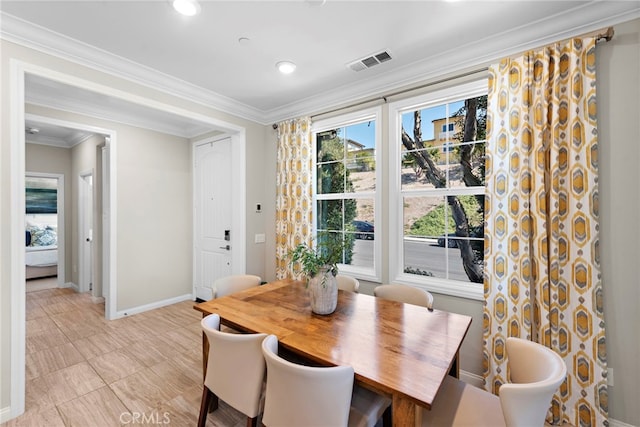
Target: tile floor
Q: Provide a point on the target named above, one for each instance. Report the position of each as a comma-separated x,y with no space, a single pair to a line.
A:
33,285
81,370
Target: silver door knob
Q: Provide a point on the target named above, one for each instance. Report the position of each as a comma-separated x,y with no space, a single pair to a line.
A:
228,247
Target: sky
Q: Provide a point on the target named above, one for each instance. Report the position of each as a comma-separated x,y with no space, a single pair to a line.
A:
364,133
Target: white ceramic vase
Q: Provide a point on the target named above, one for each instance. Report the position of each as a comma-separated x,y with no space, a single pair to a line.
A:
323,291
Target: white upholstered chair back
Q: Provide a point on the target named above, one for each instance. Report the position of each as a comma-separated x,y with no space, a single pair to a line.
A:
300,396
404,293
347,283
235,368
536,372
231,284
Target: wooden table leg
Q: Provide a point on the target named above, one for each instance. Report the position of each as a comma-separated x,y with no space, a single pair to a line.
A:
403,412
455,366
205,354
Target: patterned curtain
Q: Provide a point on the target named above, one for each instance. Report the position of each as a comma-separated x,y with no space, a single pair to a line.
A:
294,198
542,261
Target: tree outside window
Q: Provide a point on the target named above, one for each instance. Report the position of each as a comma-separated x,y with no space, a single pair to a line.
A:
442,151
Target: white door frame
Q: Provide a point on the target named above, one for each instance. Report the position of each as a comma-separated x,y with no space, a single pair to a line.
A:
18,70
60,280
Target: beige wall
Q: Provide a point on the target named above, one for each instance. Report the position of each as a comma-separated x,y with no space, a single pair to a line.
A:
154,242
269,201
618,92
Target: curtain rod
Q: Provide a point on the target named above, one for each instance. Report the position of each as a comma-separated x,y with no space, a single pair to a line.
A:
384,98
604,34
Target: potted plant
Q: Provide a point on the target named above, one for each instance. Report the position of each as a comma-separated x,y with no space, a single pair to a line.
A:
320,266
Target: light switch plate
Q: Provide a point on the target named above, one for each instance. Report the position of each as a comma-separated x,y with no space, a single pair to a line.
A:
259,238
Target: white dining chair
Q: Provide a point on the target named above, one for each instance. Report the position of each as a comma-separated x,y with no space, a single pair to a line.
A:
235,371
405,293
536,372
227,285
305,396
347,283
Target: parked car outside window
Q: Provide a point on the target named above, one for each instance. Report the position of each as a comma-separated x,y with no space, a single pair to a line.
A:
365,229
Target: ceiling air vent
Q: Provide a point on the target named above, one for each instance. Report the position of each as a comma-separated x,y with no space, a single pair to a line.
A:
370,61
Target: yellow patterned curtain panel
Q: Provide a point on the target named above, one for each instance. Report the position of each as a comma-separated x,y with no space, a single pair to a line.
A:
294,197
542,262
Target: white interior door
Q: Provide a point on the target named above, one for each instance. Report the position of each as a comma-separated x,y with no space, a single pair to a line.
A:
85,204
213,201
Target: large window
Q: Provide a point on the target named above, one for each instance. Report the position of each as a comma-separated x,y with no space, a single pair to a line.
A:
438,141
346,187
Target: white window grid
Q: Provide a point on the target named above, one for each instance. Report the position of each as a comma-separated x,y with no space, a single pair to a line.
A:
397,194
341,121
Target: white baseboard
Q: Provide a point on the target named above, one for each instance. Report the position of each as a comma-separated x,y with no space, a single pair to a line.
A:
71,285
471,378
5,414
616,423
158,304
97,300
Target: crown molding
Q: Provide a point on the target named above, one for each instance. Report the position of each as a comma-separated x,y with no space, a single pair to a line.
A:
123,116
476,55
80,139
579,20
57,142
35,37
49,141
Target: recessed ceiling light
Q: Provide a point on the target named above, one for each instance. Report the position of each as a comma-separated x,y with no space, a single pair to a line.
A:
286,67
187,7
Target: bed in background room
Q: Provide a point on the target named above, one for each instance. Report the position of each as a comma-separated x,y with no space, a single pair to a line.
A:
41,251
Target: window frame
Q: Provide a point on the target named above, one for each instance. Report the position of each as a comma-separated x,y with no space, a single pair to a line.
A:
375,113
455,93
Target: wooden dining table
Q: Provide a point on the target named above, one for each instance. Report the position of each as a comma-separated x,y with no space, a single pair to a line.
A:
398,350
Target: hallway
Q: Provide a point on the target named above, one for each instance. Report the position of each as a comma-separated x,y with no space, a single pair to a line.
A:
82,370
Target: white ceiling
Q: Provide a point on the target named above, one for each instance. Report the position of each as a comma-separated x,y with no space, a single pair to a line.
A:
200,58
